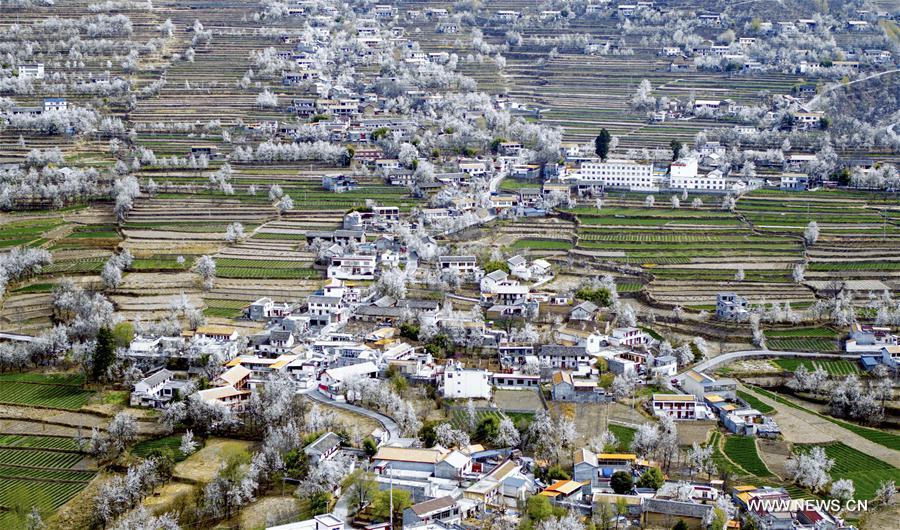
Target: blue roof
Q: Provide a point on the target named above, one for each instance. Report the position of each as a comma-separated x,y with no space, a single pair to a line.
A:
55,99
868,362
515,482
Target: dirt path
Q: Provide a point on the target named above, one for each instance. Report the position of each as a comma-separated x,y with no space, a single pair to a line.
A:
802,427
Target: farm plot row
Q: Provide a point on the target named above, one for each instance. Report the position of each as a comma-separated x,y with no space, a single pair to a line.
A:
24,493
39,458
807,345
865,471
742,451
68,475
52,396
216,307
542,244
755,402
38,442
834,367
168,444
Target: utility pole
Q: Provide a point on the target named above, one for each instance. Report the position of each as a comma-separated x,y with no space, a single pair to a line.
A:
391,482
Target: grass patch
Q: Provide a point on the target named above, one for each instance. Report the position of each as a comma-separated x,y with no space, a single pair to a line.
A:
542,244
116,397
168,444
624,434
755,402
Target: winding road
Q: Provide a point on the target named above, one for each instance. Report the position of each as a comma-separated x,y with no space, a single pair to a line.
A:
389,425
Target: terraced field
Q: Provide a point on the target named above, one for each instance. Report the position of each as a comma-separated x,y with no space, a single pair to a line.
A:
58,396
833,367
742,451
38,471
805,344
865,471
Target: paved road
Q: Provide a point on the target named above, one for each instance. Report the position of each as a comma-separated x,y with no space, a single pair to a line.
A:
387,423
751,354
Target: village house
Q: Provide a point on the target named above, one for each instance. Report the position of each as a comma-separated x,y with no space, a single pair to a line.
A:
460,383
676,406
657,513
265,308
699,384
156,390
564,387
325,310
323,448
462,265
732,307
443,510
583,311
352,267
31,71
332,380
564,357
869,339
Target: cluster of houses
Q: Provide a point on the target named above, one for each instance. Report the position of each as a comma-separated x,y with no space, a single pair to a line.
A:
448,485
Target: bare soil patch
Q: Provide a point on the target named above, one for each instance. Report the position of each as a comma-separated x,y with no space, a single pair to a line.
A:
518,400
203,465
269,511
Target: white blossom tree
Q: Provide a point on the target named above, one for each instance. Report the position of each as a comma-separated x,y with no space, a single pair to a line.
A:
811,233
507,434
810,468
205,267
234,232
842,489
445,435
188,445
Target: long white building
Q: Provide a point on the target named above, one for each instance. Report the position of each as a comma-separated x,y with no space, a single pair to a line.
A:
627,174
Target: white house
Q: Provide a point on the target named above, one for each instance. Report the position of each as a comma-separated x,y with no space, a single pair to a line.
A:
332,379
518,267
676,406
31,71
462,265
156,390
55,104
460,383
325,310
353,267
869,339
490,281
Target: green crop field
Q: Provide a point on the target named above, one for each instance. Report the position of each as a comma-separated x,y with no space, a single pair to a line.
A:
835,367
801,332
458,417
742,451
168,444
46,379
37,471
38,458
755,402
865,471
52,396
542,244
38,442
721,461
